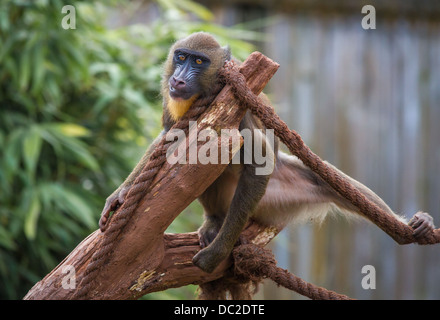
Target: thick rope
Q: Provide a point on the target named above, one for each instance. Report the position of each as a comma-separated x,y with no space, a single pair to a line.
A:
137,191
399,231
256,263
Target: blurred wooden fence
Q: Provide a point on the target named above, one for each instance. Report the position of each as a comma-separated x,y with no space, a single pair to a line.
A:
368,101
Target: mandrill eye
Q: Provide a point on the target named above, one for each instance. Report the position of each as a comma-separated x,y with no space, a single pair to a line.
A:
181,57
199,61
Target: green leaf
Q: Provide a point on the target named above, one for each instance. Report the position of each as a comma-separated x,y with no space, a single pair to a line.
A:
31,149
39,68
31,217
9,69
6,46
53,90
70,201
25,70
134,96
84,156
6,239
112,69
12,153
71,130
199,10
66,134
101,103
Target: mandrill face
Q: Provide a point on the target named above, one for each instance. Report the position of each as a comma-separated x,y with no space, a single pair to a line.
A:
188,66
191,71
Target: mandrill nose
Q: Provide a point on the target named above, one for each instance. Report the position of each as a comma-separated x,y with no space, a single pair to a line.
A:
177,83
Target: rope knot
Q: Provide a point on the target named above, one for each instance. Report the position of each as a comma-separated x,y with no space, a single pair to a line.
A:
253,262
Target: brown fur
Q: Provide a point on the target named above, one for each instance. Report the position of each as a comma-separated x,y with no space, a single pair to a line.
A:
293,191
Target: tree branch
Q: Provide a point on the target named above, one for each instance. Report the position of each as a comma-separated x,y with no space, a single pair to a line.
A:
144,259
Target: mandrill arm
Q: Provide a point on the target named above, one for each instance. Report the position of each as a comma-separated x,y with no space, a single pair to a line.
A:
116,199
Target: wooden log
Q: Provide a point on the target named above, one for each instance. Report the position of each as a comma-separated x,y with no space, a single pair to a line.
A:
145,259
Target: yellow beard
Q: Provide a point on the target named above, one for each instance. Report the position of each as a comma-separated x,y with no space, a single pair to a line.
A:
177,108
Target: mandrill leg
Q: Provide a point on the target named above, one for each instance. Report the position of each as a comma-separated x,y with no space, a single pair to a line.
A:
250,189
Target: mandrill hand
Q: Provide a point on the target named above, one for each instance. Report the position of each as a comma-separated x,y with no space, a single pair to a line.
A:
209,258
422,223
113,202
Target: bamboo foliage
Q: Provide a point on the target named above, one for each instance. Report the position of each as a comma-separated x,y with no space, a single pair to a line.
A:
77,109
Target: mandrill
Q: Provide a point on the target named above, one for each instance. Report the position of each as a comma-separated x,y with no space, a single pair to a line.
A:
292,191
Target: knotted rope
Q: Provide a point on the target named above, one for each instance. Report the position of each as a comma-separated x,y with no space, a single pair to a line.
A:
399,231
255,263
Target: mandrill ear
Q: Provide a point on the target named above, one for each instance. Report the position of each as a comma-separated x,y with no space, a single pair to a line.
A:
227,53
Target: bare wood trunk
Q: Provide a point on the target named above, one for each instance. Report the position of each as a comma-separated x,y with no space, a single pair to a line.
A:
145,259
